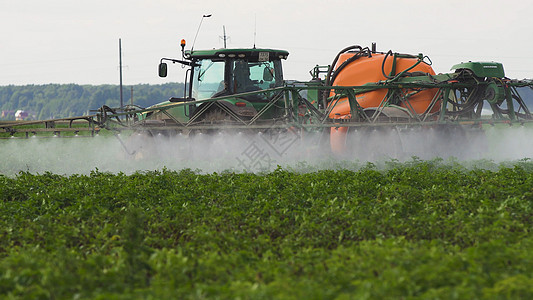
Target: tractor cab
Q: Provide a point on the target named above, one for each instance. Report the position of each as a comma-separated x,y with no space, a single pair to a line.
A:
234,72
223,72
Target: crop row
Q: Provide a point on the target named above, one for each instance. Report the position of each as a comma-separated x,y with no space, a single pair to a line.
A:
420,230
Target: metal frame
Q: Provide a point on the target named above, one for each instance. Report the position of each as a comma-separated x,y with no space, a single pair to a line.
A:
448,94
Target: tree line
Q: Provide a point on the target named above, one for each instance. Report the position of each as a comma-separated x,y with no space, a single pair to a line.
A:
68,100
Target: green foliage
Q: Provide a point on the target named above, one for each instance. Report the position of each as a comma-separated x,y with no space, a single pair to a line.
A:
67,100
420,230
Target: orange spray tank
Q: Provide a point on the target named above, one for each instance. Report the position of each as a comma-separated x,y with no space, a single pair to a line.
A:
357,68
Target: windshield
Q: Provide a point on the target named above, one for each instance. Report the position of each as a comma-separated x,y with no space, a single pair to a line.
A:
254,76
245,76
208,79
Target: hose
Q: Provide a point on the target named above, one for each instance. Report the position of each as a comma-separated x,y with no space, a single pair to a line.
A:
328,81
332,74
102,116
383,65
349,61
406,71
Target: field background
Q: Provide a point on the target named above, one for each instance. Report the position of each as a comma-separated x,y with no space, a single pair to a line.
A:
419,229
48,101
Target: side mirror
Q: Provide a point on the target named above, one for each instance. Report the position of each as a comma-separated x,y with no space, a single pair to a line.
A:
162,69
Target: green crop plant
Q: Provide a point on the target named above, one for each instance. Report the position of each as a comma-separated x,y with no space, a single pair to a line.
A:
415,230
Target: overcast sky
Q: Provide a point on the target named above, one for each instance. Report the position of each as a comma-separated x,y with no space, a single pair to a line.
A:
73,41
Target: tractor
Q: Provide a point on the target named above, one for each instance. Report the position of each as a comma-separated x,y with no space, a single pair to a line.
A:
365,101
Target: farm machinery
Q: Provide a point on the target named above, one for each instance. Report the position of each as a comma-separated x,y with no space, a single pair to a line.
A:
365,101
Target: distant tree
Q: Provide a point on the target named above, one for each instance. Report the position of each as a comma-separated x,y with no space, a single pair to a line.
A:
64,100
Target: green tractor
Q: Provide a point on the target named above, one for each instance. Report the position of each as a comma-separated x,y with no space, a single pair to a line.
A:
243,79
367,102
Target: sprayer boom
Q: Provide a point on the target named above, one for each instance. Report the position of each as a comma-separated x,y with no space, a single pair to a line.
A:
243,90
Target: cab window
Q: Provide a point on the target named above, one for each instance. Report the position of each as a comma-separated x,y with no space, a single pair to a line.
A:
253,76
208,79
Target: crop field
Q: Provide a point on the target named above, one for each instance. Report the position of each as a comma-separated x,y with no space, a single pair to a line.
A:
412,230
